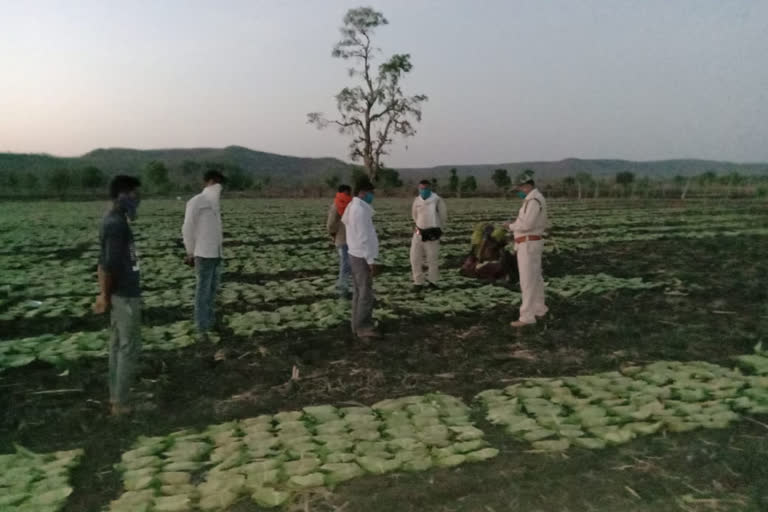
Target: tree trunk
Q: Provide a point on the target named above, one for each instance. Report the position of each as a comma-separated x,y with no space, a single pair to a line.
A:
578,187
369,166
597,189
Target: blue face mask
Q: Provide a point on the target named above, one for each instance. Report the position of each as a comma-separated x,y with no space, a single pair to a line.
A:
128,205
425,193
521,194
368,197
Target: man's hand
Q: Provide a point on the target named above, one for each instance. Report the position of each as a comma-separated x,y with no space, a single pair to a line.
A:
375,269
189,260
101,305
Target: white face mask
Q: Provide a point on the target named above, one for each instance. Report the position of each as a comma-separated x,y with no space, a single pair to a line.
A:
214,190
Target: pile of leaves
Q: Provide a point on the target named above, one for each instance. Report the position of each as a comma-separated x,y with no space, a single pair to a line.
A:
36,482
321,314
757,362
269,458
58,349
592,411
579,284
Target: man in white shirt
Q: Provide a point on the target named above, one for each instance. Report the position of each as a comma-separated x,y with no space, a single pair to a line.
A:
203,238
528,231
430,215
363,249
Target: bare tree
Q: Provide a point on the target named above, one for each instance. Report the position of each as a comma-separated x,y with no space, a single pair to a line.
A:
376,109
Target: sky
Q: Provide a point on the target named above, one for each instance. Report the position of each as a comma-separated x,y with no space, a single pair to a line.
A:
507,80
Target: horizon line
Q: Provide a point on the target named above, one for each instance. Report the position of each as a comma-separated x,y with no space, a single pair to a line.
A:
402,167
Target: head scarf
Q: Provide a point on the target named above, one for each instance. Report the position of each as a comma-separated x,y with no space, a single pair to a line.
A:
341,201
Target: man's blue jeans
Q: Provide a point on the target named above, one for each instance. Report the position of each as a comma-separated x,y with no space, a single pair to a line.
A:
207,270
342,283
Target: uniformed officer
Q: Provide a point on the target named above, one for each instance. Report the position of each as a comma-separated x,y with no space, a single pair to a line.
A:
528,230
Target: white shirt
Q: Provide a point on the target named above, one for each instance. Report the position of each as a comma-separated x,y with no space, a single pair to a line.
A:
202,224
362,240
430,212
532,218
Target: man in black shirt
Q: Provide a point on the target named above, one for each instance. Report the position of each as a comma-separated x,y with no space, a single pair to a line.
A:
120,289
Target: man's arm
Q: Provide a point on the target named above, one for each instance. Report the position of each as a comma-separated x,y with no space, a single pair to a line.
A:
526,221
332,224
103,300
413,212
108,260
188,228
371,243
442,211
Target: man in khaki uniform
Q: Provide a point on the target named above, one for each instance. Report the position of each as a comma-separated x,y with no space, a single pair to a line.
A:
430,214
528,231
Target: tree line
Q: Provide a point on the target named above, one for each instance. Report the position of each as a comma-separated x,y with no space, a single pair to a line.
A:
159,179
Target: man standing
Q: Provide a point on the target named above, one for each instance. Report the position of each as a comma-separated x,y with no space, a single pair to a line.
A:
429,215
203,237
338,234
120,291
528,231
363,246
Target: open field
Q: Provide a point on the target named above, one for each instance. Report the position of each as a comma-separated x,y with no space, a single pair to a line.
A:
630,283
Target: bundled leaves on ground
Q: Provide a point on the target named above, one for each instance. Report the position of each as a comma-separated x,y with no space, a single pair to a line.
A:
575,285
59,349
593,411
36,481
270,457
757,362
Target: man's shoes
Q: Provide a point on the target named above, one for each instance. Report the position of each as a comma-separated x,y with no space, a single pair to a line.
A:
367,335
431,286
517,324
118,410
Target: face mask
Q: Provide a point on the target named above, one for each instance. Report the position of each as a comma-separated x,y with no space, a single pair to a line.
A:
521,194
128,205
425,193
214,189
368,197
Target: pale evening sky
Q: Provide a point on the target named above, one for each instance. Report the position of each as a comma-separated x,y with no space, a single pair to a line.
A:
508,80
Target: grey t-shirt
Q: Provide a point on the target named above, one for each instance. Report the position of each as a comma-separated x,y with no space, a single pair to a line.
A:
118,255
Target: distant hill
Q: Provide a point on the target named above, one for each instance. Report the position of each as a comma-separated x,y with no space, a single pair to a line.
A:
573,166
131,161
296,169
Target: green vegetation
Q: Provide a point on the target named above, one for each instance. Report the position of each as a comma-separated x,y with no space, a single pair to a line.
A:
36,481
648,362
269,458
86,176
178,171
502,180
612,408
